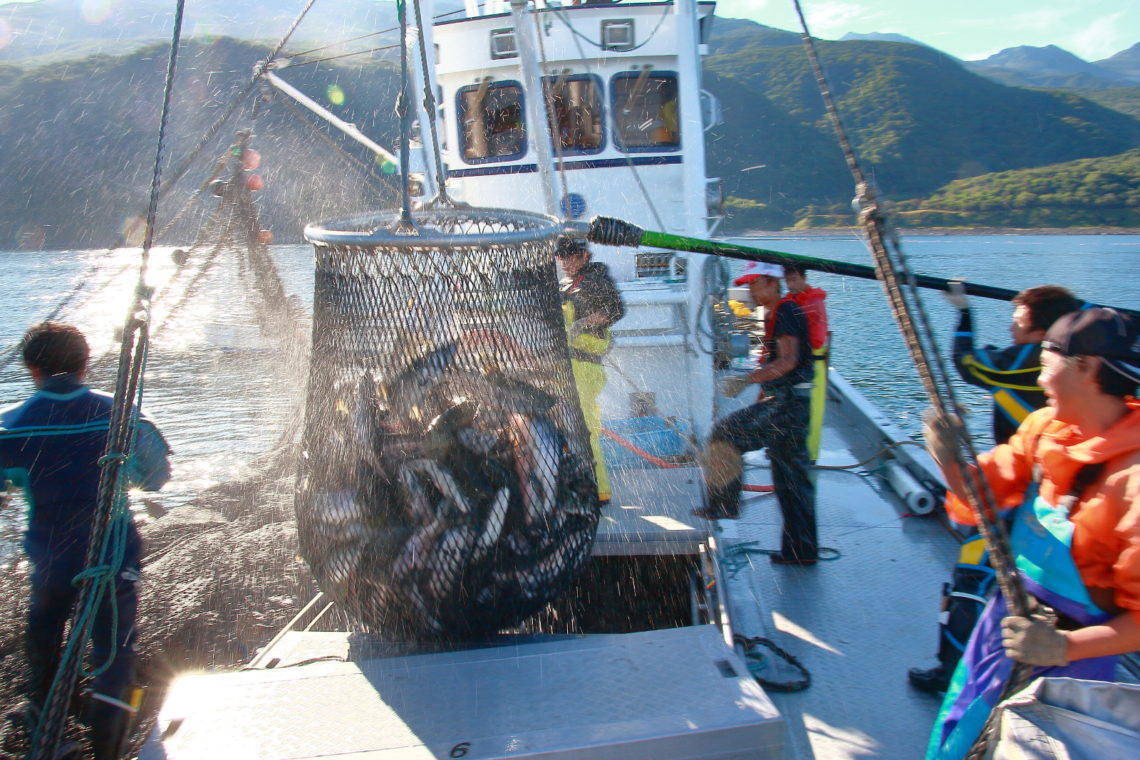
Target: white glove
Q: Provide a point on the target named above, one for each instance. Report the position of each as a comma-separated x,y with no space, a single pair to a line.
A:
576,328
734,385
1034,641
955,295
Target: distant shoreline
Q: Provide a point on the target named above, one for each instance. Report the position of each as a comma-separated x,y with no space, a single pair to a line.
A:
932,231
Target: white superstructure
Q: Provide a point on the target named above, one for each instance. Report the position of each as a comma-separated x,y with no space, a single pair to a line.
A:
621,93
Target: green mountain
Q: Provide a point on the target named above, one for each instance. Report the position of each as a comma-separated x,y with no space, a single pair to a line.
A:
917,120
1089,192
79,136
80,141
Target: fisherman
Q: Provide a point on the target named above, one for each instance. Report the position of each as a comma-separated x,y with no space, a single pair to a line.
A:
811,299
778,422
1071,472
51,445
1010,375
591,304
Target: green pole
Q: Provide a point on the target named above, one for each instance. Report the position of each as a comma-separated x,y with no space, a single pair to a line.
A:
610,231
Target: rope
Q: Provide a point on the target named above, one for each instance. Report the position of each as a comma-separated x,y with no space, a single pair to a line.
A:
404,225
907,309
111,522
366,169
236,101
758,663
441,198
558,11
338,57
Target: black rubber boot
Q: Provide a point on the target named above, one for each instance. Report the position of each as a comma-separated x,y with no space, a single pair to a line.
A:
108,724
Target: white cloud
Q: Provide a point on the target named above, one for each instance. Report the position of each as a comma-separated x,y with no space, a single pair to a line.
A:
1040,20
1099,38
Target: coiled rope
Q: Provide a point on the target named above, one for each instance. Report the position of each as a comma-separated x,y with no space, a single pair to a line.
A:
902,292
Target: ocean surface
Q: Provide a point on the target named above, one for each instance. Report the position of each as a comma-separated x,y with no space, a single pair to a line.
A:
220,395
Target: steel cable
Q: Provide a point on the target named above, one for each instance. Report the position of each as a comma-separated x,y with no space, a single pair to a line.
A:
895,274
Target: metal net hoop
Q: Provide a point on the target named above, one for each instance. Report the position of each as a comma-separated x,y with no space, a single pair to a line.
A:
446,487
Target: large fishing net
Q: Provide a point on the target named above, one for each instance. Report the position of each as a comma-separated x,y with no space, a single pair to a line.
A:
446,486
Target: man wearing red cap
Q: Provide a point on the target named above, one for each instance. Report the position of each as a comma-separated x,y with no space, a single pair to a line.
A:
778,422
1071,475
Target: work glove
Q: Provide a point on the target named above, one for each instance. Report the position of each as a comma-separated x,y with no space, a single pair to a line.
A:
1034,640
955,295
938,432
576,328
733,385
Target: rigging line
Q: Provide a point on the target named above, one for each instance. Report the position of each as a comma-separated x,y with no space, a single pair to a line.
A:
236,101
558,11
551,116
882,239
441,196
371,34
404,224
377,183
614,130
336,57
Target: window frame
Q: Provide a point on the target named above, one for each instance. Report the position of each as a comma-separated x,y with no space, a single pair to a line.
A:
600,89
615,109
461,119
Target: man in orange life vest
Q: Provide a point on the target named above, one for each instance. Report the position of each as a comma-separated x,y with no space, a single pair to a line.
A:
1010,376
811,299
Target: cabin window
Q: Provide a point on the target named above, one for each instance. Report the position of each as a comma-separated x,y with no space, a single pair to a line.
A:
576,100
491,122
617,34
503,44
646,117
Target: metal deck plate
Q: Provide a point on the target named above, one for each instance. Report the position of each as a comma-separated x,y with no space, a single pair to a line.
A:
857,623
677,693
651,513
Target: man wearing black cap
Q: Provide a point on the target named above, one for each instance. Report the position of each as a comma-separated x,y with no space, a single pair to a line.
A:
1071,473
1009,375
591,304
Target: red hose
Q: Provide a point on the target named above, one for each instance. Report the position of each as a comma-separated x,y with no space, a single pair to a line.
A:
655,460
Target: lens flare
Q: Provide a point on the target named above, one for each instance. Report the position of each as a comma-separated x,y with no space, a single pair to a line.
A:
5,33
335,95
96,11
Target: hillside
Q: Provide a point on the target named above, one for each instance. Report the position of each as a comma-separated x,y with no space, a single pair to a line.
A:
917,118
81,137
1089,192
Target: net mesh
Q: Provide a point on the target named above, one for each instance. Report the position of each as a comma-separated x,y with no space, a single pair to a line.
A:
446,486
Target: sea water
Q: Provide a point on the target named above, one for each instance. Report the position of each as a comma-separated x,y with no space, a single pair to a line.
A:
214,389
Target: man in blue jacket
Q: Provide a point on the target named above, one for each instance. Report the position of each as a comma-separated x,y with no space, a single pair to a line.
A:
50,446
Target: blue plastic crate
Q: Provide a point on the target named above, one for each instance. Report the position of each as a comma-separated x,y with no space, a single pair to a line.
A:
650,434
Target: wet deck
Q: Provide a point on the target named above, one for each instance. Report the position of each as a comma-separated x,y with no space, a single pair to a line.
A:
857,623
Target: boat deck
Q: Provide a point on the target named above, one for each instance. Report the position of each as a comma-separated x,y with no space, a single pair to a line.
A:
857,623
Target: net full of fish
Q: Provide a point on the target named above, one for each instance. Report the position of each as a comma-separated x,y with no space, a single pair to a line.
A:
446,487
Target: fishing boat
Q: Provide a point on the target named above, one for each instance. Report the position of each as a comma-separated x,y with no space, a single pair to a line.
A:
677,638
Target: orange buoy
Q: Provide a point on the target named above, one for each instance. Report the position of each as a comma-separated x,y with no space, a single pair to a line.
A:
254,182
250,159
265,237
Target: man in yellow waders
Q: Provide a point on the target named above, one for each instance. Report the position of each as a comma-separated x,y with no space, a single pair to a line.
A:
591,303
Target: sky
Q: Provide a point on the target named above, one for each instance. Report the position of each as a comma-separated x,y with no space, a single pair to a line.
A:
967,29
